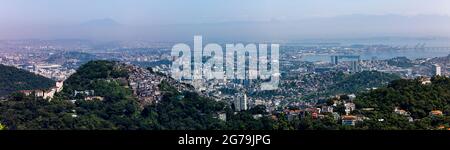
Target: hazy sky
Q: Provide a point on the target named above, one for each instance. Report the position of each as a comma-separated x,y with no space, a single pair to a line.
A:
250,19
139,12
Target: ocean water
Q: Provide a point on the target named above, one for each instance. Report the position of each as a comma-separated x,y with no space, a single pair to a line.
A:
432,48
381,55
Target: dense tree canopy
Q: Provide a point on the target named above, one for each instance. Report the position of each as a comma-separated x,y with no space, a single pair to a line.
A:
412,96
360,81
13,79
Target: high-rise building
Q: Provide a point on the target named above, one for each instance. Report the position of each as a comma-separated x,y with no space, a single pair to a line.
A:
237,102
355,66
240,102
244,102
437,70
335,60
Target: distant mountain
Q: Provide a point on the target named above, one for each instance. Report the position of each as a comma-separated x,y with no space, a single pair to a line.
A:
338,27
13,79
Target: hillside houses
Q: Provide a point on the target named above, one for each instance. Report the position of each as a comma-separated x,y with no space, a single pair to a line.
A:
45,93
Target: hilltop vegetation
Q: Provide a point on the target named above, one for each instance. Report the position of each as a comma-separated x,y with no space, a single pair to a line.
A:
92,75
119,109
354,83
22,112
13,79
412,96
184,110
401,62
341,83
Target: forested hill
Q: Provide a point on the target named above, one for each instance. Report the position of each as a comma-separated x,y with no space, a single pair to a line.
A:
13,79
411,96
354,83
94,74
342,83
119,108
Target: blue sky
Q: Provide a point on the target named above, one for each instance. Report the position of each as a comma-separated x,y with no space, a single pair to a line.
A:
224,19
140,12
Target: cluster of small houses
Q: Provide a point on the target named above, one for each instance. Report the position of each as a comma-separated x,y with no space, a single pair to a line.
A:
145,84
347,119
320,112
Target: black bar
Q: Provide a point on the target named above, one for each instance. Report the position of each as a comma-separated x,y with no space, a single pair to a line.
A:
278,139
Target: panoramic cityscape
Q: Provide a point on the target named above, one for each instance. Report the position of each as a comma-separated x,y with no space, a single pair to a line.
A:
320,88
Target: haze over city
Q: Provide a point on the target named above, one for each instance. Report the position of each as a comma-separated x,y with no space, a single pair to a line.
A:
174,20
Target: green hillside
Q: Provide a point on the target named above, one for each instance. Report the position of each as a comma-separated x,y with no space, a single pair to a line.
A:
412,96
357,82
13,79
120,109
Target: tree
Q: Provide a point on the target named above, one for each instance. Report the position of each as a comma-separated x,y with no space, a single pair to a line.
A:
2,127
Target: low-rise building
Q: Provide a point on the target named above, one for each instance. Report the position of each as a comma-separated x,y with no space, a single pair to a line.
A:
90,98
401,112
436,113
349,120
327,109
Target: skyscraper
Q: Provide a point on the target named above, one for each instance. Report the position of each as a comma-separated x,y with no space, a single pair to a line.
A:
240,102
355,66
244,102
437,70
